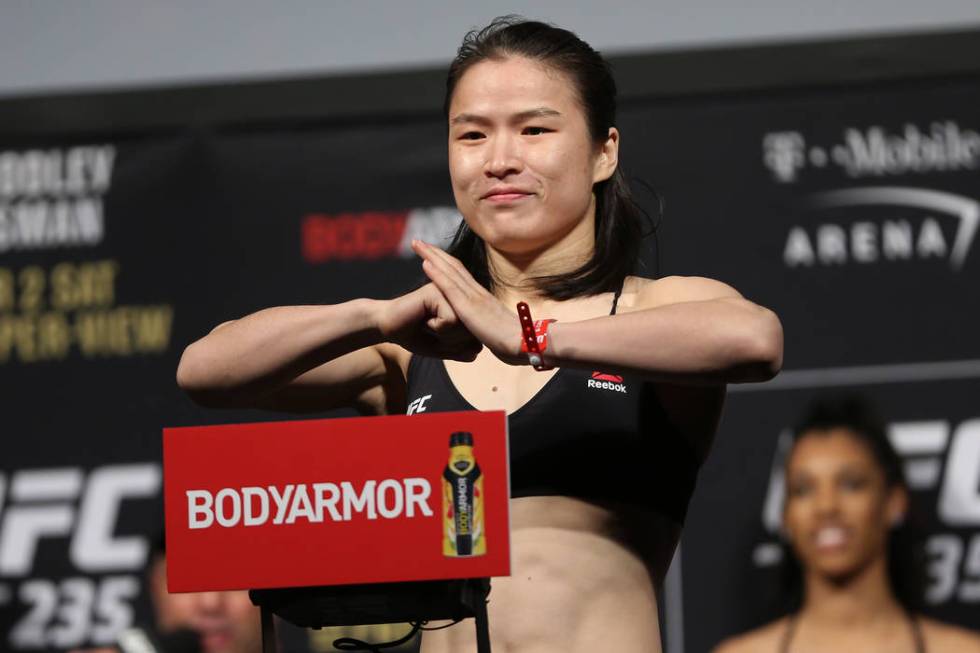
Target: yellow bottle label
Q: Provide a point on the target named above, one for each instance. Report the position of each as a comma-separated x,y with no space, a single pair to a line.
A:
462,503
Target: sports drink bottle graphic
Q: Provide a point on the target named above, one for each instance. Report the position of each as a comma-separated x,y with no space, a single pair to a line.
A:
462,500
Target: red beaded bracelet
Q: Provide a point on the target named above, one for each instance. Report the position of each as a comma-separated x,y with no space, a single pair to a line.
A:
534,337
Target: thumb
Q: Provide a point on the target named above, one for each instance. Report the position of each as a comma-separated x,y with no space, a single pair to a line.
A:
445,318
436,323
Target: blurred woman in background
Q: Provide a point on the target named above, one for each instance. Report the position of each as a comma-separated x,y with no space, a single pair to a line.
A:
853,565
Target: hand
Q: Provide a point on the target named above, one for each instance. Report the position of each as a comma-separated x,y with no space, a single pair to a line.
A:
423,322
480,312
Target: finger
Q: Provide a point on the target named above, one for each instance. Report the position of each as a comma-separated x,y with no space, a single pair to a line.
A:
423,249
437,304
442,323
451,265
435,323
446,284
436,252
441,319
418,246
462,300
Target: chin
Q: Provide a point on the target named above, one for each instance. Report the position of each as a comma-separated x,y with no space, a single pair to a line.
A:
838,573
839,568
517,246
512,241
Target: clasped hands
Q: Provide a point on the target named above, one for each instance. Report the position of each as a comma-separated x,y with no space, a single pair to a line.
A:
452,317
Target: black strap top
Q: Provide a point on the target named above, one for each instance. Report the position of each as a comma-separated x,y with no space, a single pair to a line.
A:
586,434
920,644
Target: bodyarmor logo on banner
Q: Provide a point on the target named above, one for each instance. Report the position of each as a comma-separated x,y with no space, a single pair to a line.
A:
939,457
53,198
40,505
875,152
915,233
315,503
375,234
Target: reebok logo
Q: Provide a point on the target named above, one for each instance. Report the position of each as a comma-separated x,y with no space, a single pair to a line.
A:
603,381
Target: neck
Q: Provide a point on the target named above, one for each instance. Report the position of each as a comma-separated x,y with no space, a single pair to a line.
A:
514,273
858,600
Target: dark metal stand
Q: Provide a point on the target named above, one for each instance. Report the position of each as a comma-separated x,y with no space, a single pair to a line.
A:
268,630
482,629
351,605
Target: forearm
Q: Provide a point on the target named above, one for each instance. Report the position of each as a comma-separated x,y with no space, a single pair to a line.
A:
727,340
267,349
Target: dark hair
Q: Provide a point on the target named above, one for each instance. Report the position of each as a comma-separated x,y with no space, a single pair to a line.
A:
618,225
906,570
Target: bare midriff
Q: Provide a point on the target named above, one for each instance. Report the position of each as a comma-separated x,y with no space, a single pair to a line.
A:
582,580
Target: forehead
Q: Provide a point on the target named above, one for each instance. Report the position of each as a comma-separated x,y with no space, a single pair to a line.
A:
512,84
828,451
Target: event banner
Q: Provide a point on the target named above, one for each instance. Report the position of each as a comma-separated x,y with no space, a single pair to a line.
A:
852,212
95,241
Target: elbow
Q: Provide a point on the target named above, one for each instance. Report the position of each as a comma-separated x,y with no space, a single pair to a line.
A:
195,377
190,375
770,350
760,354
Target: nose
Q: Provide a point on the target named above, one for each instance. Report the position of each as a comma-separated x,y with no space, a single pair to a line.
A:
827,501
503,157
210,601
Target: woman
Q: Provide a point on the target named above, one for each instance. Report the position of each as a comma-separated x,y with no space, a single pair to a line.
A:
604,448
853,564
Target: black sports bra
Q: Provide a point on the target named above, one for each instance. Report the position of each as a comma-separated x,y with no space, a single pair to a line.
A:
586,434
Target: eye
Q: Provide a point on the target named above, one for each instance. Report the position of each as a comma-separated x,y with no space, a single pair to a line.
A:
535,131
470,136
853,483
798,490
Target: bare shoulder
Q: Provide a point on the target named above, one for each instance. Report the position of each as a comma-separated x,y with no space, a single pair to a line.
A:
648,293
764,639
946,638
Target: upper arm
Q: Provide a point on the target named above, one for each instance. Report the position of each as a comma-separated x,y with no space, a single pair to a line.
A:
674,290
757,331
371,379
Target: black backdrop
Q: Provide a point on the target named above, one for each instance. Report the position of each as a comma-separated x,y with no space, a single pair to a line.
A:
130,223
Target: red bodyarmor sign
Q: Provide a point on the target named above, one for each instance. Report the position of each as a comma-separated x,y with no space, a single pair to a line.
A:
336,501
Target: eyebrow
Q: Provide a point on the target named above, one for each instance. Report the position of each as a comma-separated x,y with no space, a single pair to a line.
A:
539,112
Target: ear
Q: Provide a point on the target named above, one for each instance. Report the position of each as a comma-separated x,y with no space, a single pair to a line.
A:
608,159
897,506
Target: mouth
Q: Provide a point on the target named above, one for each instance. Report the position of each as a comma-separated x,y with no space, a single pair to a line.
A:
831,538
214,640
506,195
